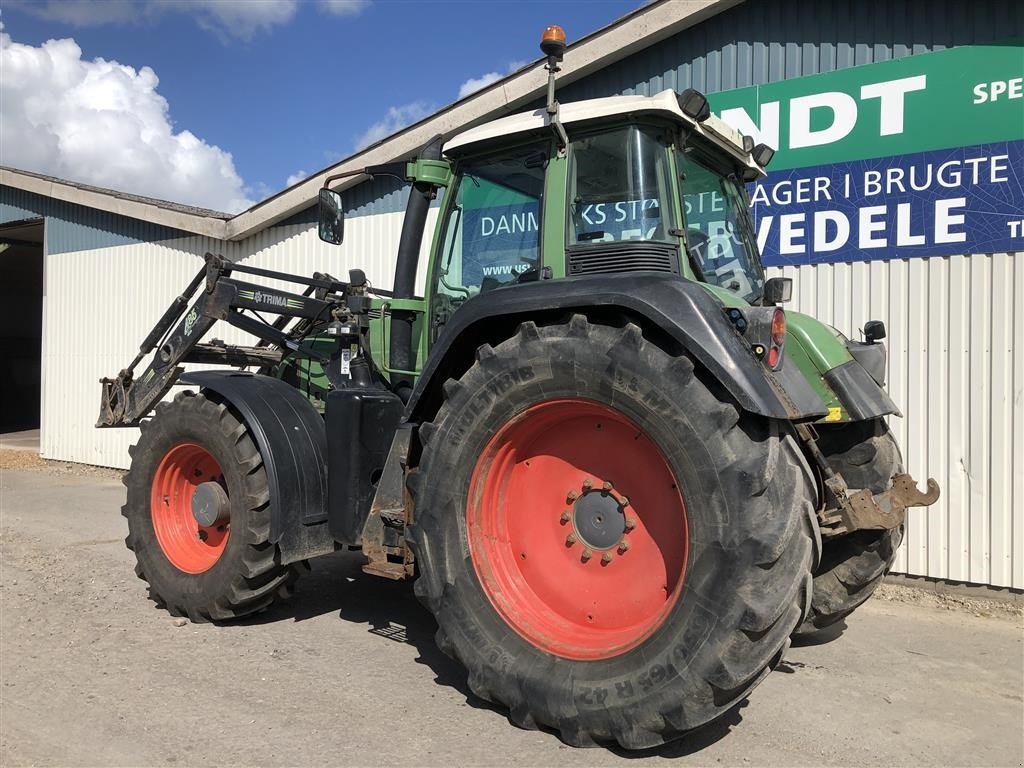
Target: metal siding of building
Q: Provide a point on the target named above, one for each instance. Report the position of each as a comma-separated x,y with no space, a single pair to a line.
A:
75,227
99,303
956,337
745,45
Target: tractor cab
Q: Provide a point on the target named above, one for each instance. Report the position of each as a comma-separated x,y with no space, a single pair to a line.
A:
637,183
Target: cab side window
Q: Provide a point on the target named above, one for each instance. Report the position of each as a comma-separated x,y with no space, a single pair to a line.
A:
492,229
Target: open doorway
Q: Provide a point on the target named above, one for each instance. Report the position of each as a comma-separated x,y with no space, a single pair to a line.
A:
21,330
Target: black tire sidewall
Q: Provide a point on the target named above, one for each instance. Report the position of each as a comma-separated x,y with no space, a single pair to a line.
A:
645,680
183,422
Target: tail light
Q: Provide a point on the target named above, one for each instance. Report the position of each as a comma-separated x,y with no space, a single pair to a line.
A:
778,339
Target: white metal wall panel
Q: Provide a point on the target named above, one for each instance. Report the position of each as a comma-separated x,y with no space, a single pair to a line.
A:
99,304
956,369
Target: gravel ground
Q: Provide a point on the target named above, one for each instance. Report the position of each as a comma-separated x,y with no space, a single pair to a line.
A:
91,673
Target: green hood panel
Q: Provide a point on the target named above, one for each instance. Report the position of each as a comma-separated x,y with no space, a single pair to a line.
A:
824,346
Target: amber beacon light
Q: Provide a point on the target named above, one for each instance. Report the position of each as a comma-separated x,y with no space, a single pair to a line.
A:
552,42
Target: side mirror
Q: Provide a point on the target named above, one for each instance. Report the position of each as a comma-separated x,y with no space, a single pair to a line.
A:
874,330
777,290
332,217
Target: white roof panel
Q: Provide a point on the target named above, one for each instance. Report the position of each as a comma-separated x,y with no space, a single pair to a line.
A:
665,103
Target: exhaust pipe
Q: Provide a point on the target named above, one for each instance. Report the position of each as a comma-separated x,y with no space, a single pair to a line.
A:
400,351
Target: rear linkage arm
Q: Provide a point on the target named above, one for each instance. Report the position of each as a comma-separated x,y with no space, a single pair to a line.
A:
845,510
126,400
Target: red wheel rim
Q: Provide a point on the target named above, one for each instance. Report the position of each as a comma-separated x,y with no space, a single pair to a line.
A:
529,539
190,547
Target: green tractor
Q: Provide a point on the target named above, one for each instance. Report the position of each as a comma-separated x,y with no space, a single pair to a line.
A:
620,474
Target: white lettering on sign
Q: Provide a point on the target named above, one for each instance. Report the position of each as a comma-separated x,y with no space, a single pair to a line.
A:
830,230
844,117
1008,89
871,220
787,192
508,224
891,95
945,220
840,110
951,174
765,130
822,242
791,228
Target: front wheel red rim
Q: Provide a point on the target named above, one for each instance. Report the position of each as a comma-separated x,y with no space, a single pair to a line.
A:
577,529
189,546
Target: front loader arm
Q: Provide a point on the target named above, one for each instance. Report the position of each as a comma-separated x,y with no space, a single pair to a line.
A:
126,399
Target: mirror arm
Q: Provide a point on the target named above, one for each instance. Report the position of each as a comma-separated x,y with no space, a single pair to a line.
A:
398,170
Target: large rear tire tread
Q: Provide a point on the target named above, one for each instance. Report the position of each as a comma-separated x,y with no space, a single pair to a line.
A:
748,582
249,577
853,566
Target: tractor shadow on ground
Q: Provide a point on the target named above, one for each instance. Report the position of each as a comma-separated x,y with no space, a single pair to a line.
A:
336,584
390,610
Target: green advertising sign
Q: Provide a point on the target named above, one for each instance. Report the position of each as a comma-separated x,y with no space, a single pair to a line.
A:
959,97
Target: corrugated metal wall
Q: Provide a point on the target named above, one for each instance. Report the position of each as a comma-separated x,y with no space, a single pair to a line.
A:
956,369
764,41
99,303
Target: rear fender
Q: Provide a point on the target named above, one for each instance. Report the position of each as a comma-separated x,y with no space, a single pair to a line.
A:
292,441
672,310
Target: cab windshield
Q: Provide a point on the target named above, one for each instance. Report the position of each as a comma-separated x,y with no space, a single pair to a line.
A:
719,234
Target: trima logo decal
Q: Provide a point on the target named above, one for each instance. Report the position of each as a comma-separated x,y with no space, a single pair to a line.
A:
190,321
273,299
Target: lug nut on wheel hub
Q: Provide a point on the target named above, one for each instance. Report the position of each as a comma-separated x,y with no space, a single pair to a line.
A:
598,520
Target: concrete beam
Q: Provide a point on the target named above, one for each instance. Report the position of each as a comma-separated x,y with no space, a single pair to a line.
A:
114,203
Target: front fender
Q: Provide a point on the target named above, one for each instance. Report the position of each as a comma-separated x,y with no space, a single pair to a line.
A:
292,441
666,304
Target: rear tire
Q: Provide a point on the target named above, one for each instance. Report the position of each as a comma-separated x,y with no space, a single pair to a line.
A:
853,566
743,572
221,572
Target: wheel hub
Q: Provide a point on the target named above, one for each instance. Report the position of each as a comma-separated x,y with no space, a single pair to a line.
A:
210,504
599,519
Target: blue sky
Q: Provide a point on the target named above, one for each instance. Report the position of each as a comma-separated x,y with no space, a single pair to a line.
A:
283,86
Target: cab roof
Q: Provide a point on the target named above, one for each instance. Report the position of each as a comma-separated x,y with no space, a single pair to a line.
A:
665,104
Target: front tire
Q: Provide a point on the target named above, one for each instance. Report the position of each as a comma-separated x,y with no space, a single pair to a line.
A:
220,571
721,504
853,566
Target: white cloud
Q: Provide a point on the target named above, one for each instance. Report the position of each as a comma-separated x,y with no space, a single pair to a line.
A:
395,119
102,123
474,84
344,7
227,18
236,18
295,178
